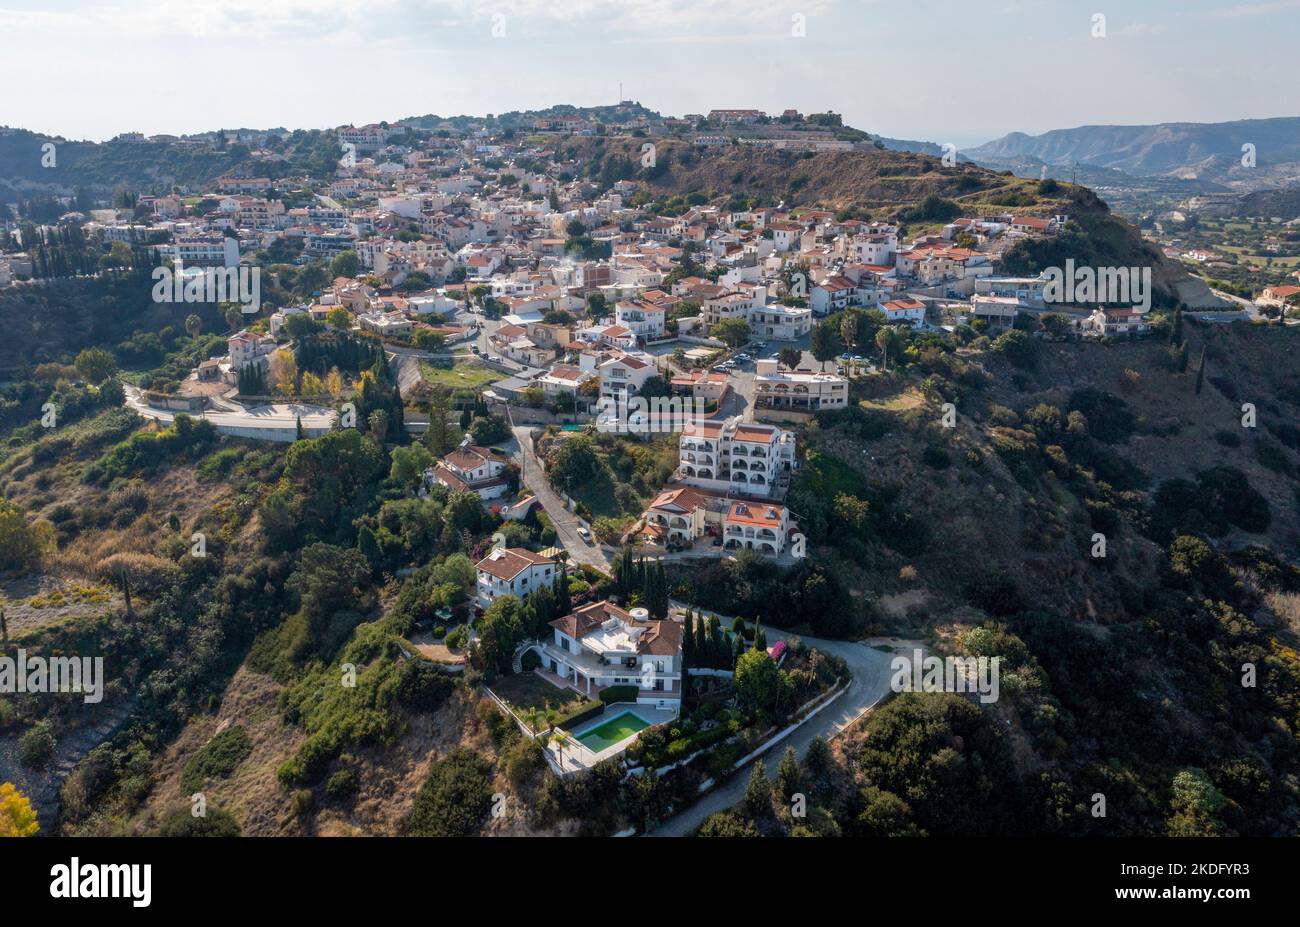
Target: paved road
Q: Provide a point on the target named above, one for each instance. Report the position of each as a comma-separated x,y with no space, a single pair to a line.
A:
871,675
566,523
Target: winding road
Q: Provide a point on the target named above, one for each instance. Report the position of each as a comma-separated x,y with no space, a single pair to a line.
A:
566,523
870,684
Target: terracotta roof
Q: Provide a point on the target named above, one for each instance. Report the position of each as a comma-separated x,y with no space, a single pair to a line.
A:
750,432
589,617
679,500
471,456
661,638
508,562
765,515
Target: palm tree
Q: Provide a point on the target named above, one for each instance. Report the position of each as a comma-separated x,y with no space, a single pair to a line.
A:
531,716
883,338
849,331
560,739
193,325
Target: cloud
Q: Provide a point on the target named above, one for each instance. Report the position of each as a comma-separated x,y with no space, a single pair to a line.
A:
372,19
1242,10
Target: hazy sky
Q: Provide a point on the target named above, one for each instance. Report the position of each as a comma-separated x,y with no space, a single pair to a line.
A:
941,70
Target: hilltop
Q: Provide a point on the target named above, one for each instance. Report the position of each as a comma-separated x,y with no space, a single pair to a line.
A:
881,183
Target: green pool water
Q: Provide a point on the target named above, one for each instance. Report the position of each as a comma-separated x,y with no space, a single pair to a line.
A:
612,731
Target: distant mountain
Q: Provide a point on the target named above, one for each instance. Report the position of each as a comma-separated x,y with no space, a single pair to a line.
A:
1203,152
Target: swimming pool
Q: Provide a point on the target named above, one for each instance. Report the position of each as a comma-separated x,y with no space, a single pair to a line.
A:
612,731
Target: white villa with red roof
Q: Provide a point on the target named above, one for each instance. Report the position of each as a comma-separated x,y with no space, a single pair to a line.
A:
1115,322
908,310
678,516
513,571
475,469
603,645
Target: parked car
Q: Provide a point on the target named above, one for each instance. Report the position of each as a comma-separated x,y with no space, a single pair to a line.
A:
584,533
742,358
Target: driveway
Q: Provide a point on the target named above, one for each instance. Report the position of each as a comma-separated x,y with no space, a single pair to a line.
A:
870,684
566,523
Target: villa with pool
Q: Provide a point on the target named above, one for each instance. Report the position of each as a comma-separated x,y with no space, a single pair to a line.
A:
602,645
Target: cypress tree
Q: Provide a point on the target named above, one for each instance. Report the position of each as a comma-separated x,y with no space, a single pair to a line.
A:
1200,372
563,601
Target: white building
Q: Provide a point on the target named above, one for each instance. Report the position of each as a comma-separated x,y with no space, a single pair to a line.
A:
206,251
736,456
910,311
759,526
249,348
643,319
513,571
603,645
624,373
799,390
679,517
471,468
1115,322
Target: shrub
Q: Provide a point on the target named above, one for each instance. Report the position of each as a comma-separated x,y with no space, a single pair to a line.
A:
614,694
217,759
421,685
343,784
36,746
935,456
180,822
454,799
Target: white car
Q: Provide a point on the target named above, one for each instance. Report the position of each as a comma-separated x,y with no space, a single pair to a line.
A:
584,533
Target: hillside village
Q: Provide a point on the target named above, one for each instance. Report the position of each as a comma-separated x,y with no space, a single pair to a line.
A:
585,404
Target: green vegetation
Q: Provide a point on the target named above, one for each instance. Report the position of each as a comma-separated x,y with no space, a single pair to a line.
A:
455,798
218,758
468,374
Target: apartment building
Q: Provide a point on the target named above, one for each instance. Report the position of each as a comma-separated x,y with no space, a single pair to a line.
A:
737,457
798,390
763,527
